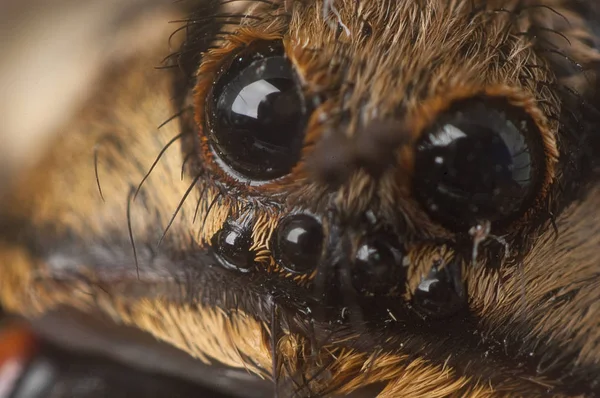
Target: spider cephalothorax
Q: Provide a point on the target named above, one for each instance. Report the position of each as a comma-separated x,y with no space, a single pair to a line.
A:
381,191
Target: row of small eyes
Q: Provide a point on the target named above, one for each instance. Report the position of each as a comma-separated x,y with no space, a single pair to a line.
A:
483,160
378,267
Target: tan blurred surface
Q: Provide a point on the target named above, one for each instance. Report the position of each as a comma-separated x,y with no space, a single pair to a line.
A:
52,53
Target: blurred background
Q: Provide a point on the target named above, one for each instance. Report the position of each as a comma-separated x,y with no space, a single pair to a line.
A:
52,52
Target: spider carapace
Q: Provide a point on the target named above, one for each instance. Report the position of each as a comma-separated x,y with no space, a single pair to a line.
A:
371,197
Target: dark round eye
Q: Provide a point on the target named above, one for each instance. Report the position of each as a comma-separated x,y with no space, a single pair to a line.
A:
232,247
256,114
378,266
482,161
297,243
441,293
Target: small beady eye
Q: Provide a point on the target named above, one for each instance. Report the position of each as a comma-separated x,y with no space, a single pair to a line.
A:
482,161
256,114
378,265
232,245
297,243
441,293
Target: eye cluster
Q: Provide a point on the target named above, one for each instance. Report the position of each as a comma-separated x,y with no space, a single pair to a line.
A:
483,161
378,267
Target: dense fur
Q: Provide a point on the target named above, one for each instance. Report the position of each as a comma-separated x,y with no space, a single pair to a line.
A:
78,233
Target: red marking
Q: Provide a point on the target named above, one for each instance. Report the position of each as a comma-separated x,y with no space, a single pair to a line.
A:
17,346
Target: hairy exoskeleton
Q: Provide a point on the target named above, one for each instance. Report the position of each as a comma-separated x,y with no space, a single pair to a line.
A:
346,193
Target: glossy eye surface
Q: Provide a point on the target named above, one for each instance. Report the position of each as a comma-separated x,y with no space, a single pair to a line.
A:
378,266
256,114
298,242
479,162
440,294
232,247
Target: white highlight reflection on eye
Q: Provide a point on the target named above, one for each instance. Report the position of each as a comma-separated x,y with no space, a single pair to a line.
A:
249,99
426,284
447,135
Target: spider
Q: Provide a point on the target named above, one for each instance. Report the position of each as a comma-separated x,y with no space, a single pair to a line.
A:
319,198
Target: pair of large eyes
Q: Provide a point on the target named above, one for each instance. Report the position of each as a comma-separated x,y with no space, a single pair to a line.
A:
480,161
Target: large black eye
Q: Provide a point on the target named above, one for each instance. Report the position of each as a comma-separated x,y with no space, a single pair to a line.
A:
483,160
256,114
